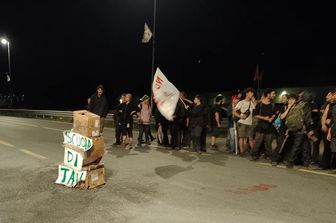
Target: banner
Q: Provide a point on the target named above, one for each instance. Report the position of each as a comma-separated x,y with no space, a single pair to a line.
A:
75,139
73,159
147,35
165,94
69,177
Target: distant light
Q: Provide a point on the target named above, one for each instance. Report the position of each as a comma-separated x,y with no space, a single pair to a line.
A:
283,93
4,41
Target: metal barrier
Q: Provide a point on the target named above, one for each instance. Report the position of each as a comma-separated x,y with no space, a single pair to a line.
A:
67,116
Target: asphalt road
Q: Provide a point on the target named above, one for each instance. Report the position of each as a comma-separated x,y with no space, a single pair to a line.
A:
152,184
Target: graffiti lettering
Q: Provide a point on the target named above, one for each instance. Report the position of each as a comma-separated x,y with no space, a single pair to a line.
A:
69,177
158,82
75,139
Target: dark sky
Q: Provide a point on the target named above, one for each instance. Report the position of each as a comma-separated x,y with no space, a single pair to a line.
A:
61,50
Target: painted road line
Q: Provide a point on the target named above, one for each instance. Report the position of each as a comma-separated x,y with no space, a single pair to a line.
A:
20,123
61,130
6,144
317,172
302,170
35,155
264,164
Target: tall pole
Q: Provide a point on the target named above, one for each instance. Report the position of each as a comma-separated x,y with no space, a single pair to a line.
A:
9,61
153,49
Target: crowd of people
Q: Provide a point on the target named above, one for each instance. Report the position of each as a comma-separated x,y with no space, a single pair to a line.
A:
289,132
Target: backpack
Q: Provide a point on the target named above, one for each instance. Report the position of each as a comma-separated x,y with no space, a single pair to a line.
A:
295,118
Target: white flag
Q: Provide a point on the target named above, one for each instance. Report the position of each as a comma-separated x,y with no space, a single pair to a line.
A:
147,34
165,94
8,78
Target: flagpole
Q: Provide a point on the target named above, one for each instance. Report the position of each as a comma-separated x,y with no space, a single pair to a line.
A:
153,50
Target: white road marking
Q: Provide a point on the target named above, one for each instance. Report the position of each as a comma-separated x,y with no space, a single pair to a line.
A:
6,144
317,172
300,169
20,123
61,130
35,155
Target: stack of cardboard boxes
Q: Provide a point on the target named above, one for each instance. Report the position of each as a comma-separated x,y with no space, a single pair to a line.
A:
83,152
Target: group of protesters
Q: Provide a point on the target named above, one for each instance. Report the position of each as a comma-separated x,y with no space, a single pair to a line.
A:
297,125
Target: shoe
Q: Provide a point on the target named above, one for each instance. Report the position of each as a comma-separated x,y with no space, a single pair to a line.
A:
214,147
116,144
253,158
290,165
273,163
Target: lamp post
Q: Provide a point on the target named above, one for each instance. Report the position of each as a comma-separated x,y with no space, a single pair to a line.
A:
6,42
9,77
153,49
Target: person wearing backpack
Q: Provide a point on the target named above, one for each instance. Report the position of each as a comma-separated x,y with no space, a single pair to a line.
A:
278,154
299,123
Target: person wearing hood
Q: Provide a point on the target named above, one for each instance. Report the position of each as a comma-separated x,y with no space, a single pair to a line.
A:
300,127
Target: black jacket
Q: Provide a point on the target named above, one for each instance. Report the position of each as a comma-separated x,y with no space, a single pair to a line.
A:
98,106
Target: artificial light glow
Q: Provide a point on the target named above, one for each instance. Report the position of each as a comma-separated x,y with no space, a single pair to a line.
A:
4,41
283,93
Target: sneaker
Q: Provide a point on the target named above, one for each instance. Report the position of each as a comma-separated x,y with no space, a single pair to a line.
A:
290,165
214,147
273,163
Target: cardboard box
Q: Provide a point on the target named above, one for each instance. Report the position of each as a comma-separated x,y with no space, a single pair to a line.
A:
86,123
95,176
92,156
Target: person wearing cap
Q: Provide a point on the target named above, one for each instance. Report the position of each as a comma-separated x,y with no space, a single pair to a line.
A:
98,105
144,119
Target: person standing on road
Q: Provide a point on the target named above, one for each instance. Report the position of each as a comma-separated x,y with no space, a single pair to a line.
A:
128,109
144,119
98,105
117,121
243,111
197,115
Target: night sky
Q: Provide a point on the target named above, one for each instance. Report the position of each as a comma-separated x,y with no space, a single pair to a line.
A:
61,50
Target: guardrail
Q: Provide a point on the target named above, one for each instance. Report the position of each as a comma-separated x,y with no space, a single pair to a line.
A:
67,116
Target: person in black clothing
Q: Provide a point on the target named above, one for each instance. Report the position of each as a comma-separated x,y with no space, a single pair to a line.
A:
185,130
280,150
197,114
265,114
128,109
331,136
98,105
118,121
316,116
325,125
175,125
215,119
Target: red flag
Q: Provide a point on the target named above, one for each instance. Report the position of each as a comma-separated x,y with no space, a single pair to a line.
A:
256,74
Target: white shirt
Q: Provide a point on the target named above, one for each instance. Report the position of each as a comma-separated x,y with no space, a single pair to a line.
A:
243,105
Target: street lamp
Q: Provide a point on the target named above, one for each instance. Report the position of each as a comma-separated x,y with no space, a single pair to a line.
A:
6,42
